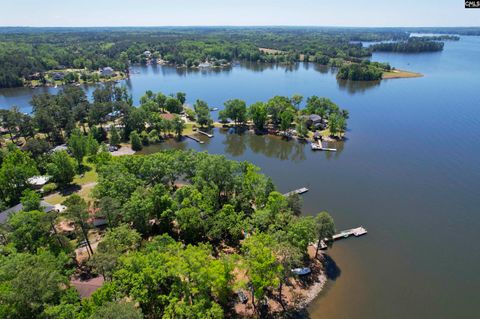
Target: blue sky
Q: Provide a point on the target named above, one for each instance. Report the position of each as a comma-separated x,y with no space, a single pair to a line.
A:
235,12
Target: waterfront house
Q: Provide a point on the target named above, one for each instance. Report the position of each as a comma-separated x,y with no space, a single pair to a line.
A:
147,54
58,76
107,71
315,121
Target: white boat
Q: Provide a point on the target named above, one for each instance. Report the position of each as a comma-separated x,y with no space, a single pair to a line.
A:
301,271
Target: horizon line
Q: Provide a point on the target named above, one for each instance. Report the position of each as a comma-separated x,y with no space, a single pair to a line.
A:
235,26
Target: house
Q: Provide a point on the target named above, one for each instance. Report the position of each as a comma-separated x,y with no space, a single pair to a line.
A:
107,71
316,121
38,181
58,76
12,210
205,64
59,148
147,54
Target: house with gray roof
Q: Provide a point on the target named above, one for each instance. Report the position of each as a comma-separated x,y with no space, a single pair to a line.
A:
15,209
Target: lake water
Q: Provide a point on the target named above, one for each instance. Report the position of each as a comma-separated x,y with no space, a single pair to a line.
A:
409,172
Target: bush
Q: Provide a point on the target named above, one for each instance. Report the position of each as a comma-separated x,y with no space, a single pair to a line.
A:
49,188
135,141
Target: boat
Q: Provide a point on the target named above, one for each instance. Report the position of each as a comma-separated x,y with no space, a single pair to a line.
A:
213,109
301,271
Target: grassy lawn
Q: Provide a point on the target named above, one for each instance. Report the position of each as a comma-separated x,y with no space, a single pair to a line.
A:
86,183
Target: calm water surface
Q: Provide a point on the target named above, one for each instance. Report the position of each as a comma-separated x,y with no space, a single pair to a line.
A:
409,172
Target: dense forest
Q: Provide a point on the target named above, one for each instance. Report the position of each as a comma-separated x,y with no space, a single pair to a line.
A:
24,51
186,232
412,45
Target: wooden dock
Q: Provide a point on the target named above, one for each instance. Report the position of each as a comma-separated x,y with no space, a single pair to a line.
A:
357,232
319,147
297,191
206,134
195,139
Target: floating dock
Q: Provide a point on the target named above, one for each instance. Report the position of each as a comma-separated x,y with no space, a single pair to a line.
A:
206,134
195,139
297,191
319,147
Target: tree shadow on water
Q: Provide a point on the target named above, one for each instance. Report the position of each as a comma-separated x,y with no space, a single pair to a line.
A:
331,268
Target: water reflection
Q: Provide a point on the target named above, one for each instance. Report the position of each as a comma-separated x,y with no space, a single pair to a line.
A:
270,146
353,87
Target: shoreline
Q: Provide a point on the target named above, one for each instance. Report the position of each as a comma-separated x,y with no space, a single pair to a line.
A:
400,74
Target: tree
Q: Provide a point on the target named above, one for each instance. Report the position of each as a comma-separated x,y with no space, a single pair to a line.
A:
92,145
116,242
276,106
236,110
77,145
181,97
114,136
30,200
17,167
302,127
173,105
36,147
203,113
301,232
62,168
135,141
262,268
223,117
286,118
117,310
111,210
30,283
288,256
178,126
325,229
296,100
258,114
77,210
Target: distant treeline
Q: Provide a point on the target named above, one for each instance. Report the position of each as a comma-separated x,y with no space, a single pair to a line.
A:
25,51
445,37
415,44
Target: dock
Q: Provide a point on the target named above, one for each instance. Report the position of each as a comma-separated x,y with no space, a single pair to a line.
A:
319,147
297,191
357,232
206,134
195,139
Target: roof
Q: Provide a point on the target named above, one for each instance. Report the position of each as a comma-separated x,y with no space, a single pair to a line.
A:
87,287
167,116
4,215
58,148
315,118
38,180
